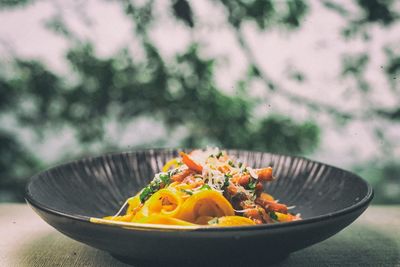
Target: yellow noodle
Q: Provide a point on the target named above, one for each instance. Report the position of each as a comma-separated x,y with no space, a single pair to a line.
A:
205,203
165,202
133,204
162,219
172,163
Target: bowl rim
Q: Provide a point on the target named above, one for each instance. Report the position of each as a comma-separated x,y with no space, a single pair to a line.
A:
29,198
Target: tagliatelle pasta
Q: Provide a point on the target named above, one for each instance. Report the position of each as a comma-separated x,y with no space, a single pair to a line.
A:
205,204
206,187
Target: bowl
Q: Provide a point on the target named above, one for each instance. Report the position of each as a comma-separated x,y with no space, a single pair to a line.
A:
70,196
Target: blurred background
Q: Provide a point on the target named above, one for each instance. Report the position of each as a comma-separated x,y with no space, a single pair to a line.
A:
318,78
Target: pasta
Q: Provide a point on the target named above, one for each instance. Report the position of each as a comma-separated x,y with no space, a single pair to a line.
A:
206,187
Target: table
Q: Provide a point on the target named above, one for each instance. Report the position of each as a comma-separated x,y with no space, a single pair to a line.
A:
26,240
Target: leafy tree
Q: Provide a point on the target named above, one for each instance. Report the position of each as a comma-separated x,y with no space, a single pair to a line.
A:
179,91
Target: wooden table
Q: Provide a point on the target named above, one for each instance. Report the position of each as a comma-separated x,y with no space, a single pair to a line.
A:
26,240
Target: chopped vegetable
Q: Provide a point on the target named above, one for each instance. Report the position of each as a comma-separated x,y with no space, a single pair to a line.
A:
273,215
226,181
187,191
166,178
265,174
205,187
190,163
146,193
252,185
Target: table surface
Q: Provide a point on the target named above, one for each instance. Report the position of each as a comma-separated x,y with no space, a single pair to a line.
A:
26,240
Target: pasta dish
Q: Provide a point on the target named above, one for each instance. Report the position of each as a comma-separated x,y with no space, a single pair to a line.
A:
206,187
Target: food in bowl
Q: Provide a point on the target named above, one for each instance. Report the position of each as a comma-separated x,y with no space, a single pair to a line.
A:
206,187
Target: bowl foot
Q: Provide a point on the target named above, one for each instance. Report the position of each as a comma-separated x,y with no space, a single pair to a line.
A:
202,262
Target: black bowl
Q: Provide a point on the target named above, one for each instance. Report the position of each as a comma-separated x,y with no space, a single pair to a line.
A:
67,196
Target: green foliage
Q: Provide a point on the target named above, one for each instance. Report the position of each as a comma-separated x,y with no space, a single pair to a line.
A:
179,92
13,3
16,164
384,178
266,13
185,93
392,68
293,138
354,66
336,7
183,11
379,11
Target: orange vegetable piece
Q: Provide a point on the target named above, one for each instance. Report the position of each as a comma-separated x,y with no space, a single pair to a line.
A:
232,190
234,221
252,213
180,176
272,205
244,180
190,162
286,217
266,196
224,169
259,187
265,174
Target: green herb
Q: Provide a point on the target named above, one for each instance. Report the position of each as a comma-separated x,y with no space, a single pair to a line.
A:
273,215
212,156
219,155
187,192
240,164
166,178
252,185
154,186
226,181
146,193
213,221
231,164
205,187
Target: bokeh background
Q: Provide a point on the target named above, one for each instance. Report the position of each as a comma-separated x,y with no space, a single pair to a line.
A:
318,78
